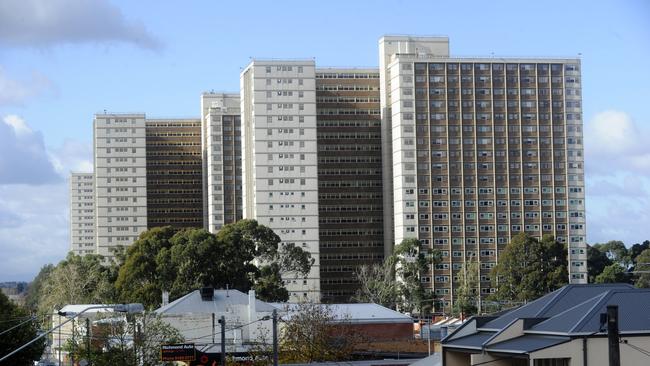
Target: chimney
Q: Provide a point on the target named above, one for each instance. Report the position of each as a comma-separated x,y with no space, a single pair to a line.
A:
165,297
252,310
207,293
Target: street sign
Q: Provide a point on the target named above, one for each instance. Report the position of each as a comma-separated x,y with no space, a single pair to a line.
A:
178,352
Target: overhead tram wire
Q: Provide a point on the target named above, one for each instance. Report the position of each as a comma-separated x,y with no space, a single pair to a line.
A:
18,325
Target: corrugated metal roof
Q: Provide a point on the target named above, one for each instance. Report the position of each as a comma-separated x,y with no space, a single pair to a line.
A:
78,308
526,344
555,302
474,341
355,313
633,312
566,320
192,303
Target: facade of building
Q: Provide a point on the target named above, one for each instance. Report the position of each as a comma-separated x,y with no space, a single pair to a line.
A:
120,180
279,155
196,316
148,173
482,149
350,207
82,213
459,153
221,126
174,173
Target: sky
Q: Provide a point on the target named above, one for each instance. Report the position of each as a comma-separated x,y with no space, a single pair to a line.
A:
61,61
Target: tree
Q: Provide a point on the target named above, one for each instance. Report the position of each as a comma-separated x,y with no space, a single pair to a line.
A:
269,284
616,251
643,265
242,255
637,249
377,284
35,288
314,333
147,270
596,262
613,273
10,316
411,264
397,282
76,280
466,302
529,268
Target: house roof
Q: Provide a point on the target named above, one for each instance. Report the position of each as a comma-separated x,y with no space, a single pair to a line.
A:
554,303
87,309
473,341
222,300
355,313
584,318
571,311
527,343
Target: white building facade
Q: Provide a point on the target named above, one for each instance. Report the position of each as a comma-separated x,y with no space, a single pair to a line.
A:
221,141
279,153
120,180
82,213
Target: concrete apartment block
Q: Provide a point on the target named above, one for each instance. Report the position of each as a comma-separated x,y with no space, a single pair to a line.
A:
82,213
482,149
221,126
120,180
279,153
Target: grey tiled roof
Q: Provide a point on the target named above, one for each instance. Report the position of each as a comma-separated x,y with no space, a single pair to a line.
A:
527,343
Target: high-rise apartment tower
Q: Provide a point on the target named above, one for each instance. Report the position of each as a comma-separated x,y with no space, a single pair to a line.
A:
82,213
222,172
481,149
278,108
350,204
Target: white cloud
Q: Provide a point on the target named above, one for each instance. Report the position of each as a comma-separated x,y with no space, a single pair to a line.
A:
42,23
34,202
35,230
23,156
617,160
16,92
615,143
72,156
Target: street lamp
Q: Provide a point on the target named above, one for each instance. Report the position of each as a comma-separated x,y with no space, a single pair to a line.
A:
121,308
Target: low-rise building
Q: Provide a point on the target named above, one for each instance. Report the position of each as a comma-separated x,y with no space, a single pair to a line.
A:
75,327
374,322
196,316
562,328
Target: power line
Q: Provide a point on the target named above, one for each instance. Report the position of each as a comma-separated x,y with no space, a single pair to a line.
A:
645,352
18,325
9,320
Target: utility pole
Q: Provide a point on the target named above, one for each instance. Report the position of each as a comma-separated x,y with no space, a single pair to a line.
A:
429,336
73,342
135,348
59,359
222,321
612,335
275,337
88,340
213,329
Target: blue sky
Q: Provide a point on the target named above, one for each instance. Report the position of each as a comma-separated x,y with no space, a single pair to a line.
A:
63,60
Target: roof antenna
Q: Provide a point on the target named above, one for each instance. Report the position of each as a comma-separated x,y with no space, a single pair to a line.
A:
227,291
